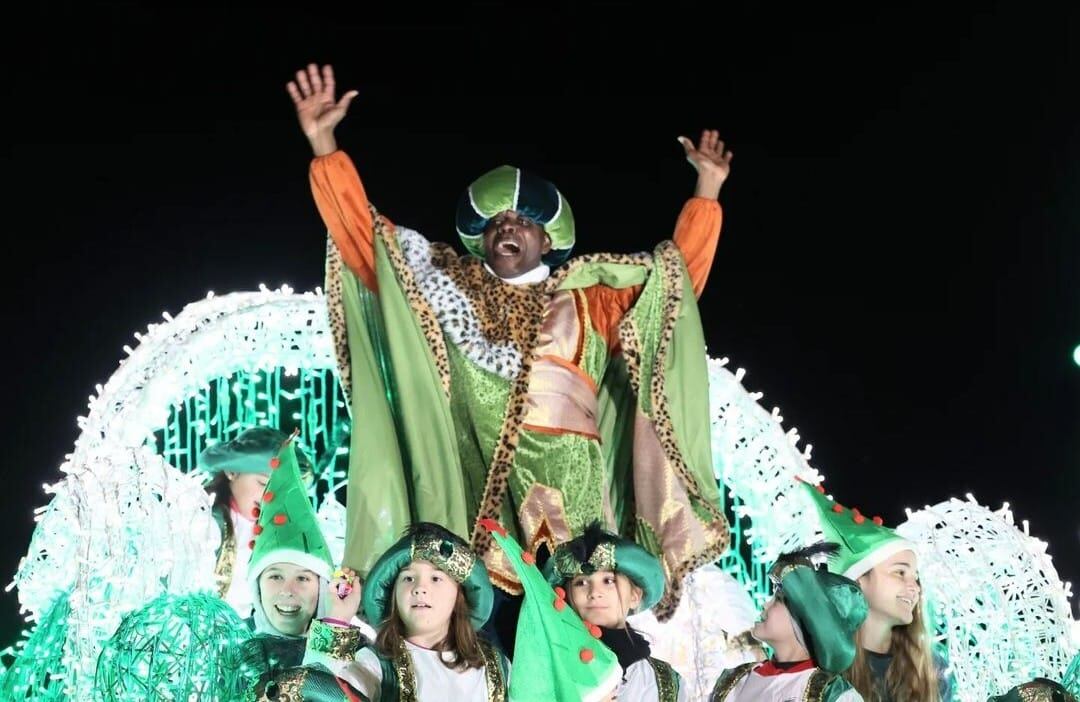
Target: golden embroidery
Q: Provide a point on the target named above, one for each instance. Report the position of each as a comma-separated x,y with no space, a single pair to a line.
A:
454,560
223,570
287,687
667,683
338,642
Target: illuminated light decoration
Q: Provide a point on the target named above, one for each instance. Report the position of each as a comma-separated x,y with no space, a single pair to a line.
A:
110,538
757,461
702,638
176,648
1071,680
39,671
995,601
1076,355
266,357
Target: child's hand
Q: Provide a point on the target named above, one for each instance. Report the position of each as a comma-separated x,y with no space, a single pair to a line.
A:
343,595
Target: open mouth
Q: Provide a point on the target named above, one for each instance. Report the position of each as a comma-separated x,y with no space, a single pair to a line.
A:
287,610
421,605
907,600
507,247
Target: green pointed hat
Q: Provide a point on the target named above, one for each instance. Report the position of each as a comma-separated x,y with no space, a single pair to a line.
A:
250,452
446,551
596,550
509,188
863,542
1040,689
286,530
827,608
564,661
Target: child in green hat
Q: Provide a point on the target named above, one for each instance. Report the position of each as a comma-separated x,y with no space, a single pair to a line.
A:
810,624
289,572
605,579
894,660
239,471
428,595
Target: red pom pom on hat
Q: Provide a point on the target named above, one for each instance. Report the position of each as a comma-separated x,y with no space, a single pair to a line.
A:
559,604
275,462
837,507
878,520
258,529
280,519
586,655
528,558
560,593
268,496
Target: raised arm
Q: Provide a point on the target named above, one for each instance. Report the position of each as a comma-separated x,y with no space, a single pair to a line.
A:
697,230
339,193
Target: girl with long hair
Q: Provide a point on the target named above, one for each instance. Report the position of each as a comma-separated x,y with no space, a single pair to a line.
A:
427,595
894,661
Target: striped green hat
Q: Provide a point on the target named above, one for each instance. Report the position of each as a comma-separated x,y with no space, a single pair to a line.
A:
510,188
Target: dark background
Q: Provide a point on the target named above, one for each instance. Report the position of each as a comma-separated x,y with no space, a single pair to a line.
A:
898,264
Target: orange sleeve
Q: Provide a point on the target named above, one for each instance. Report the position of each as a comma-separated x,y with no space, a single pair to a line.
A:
606,309
343,205
696,234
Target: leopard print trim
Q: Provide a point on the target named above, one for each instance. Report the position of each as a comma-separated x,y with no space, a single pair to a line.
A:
335,312
425,316
669,258
502,460
477,314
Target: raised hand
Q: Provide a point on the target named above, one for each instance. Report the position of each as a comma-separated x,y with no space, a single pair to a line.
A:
709,159
316,108
343,595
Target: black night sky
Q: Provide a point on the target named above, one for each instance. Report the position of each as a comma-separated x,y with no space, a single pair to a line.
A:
901,247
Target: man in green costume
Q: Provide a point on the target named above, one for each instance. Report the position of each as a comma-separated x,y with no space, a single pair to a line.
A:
493,386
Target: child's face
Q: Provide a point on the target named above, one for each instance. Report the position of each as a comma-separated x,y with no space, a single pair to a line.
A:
247,489
424,597
289,595
892,588
604,598
774,625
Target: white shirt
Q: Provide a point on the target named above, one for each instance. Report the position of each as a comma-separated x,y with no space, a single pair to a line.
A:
535,275
639,685
434,681
239,593
782,687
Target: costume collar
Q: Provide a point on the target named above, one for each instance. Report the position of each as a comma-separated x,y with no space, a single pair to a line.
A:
771,668
629,646
536,275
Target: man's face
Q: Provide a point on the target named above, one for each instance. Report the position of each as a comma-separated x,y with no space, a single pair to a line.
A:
514,244
289,595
